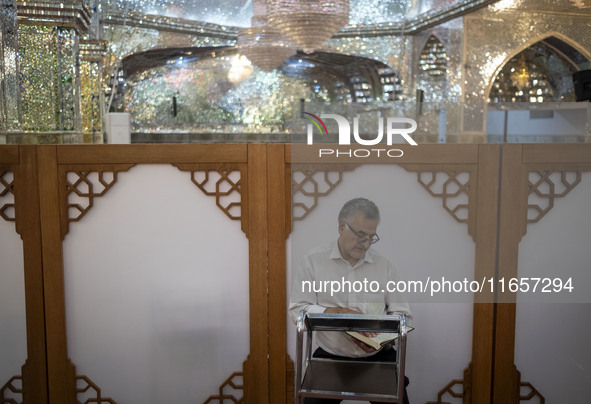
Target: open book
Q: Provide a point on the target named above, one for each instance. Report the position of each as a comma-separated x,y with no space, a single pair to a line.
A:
379,340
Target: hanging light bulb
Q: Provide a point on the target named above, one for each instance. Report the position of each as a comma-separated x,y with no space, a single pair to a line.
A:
240,68
308,23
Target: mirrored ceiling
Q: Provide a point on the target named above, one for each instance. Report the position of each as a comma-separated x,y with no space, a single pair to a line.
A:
239,12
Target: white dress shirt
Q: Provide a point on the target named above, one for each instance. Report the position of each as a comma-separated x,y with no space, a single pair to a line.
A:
311,291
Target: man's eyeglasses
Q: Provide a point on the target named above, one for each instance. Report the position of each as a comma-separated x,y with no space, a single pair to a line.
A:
362,237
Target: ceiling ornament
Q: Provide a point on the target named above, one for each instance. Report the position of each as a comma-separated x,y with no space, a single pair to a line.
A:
264,45
520,73
308,23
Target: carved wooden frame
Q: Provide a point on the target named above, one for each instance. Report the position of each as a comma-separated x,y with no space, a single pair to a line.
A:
465,394
452,187
554,191
533,393
500,167
89,385
534,188
9,387
223,395
223,187
452,171
266,181
427,176
19,161
83,187
529,171
106,176
318,190
69,179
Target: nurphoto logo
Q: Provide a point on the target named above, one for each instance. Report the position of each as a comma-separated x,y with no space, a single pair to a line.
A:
394,127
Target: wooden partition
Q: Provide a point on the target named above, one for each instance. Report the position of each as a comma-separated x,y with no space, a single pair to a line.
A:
468,170
44,214
497,219
534,180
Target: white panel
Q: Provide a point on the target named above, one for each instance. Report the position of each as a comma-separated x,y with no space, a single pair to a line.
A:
13,338
552,336
157,290
422,240
118,128
558,247
520,123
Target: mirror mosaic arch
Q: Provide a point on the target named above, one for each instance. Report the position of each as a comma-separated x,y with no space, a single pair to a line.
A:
540,71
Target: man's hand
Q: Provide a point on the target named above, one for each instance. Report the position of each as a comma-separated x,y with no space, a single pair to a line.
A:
344,310
363,346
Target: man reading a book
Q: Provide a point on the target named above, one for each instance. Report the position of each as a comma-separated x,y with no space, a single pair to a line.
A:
350,260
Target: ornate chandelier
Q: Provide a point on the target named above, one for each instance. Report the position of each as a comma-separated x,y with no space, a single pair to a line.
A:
264,45
520,72
308,23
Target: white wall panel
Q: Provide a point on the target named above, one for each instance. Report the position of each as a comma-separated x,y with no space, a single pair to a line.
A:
13,338
553,330
156,279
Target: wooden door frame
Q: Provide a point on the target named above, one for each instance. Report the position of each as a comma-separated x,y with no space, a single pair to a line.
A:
478,376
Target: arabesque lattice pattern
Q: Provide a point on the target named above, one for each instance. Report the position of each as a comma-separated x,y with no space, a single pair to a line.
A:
225,185
12,391
83,186
234,382
533,393
544,186
89,393
223,182
7,195
450,189
448,389
453,185
308,184
465,394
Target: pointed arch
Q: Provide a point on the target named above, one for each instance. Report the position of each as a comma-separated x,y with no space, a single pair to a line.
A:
433,58
574,53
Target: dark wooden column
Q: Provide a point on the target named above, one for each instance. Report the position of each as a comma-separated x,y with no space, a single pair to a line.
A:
35,389
60,370
511,214
256,367
485,267
277,219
